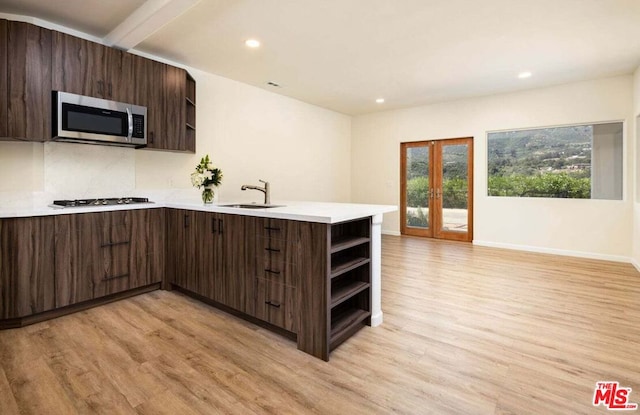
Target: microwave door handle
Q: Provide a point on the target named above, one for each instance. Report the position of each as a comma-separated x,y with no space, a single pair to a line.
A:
130,123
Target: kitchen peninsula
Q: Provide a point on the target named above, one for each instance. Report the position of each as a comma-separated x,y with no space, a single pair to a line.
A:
310,271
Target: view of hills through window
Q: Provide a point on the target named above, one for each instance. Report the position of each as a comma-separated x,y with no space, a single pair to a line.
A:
581,161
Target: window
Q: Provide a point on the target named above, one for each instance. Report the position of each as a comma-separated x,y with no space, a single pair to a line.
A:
579,162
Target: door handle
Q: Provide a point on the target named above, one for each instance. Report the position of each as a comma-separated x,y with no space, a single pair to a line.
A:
272,304
220,226
213,225
130,124
431,193
438,193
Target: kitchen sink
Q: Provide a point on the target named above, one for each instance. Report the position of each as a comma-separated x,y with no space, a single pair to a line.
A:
251,206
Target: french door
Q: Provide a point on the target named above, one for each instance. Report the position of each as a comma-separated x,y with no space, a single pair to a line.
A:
436,195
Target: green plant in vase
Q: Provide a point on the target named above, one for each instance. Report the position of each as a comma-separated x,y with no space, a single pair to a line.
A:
205,177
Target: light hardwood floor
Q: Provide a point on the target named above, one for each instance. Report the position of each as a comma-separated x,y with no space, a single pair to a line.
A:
467,330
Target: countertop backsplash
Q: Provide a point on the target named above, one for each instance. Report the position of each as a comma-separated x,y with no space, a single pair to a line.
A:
80,171
84,171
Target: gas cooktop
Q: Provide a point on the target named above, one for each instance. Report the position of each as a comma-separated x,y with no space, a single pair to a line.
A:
110,201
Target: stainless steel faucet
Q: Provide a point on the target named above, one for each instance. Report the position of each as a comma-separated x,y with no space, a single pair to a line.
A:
265,190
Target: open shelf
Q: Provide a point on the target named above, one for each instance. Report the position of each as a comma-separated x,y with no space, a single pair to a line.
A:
349,279
346,264
345,324
345,242
190,112
341,292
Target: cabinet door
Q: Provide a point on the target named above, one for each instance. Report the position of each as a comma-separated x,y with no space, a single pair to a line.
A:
175,109
118,75
147,247
77,253
186,249
77,66
234,267
4,92
26,266
29,82
209,257
175,268
149,92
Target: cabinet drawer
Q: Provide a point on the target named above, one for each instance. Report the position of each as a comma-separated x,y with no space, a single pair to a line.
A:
276,304
278,271
276,249
285,230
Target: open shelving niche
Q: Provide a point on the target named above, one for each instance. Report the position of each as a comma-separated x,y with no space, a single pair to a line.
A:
191,109
349,279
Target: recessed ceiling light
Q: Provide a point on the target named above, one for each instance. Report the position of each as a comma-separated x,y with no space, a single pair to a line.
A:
252,43
380,100
524,75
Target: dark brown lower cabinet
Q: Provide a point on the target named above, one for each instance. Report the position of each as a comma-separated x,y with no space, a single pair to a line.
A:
207,256
277,255
26,266
277,304
312,280
98,254
183,266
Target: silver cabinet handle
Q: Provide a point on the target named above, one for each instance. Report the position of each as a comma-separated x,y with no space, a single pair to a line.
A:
130,123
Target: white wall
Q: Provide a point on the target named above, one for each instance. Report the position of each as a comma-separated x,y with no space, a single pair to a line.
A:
302,150
250,133
635,138
607,161
597,228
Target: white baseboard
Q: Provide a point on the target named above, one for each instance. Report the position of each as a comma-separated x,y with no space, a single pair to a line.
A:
376,320
392,233
564,252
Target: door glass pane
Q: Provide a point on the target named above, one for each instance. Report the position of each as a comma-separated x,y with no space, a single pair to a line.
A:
455,187
418,187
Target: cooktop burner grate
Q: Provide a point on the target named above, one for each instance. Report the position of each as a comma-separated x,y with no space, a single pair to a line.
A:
110,201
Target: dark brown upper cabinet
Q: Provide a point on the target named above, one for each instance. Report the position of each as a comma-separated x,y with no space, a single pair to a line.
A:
163,90
34,61
25,91
149,92
87,68
175,108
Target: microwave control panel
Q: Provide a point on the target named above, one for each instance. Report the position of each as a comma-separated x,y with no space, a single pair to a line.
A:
138,126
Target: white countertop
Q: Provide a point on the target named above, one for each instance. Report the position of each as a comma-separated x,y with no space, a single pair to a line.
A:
300,211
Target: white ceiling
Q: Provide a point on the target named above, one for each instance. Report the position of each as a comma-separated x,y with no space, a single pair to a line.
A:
343,54
93,17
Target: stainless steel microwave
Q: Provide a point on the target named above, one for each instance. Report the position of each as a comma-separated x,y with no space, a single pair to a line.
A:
82,119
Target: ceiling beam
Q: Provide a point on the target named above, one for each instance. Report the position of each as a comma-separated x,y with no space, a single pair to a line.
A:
145,21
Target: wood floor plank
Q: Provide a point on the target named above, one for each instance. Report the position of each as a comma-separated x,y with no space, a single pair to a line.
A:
8,404
37,391
467,330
